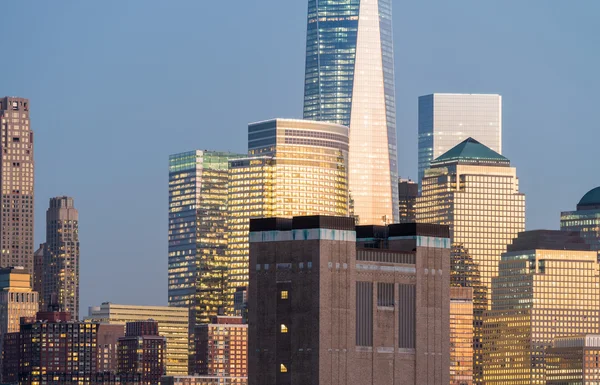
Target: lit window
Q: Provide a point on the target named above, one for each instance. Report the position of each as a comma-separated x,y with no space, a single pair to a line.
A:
284,294
283,368
284,328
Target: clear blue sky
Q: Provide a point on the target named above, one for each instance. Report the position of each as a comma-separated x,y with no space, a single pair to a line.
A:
116,86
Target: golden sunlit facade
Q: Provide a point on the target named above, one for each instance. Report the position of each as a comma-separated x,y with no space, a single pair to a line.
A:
461,336
295,167
173,323
548,287
16,299
574,360
475,191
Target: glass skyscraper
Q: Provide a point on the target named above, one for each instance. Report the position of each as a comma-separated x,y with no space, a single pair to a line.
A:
295,167
350,81
445,120
198,269
586,219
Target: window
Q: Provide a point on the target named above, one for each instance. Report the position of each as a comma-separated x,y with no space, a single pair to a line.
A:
283,368
284,328
284,294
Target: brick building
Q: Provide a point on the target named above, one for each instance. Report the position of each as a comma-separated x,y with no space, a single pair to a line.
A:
331,303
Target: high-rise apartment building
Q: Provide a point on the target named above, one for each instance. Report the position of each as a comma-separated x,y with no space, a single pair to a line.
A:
461,335
475,191
331,303
203,380
586,219
142,351
52,349
198,269
350,81
573,360
296,167
407,200
221,348
173,323
60,282
547,287
38,271
17,184
445,120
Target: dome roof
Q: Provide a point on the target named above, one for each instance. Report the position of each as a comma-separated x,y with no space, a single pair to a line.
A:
591,198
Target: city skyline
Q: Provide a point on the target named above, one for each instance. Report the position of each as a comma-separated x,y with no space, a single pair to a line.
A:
134,178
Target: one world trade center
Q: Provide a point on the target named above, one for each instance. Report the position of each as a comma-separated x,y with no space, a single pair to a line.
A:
350,80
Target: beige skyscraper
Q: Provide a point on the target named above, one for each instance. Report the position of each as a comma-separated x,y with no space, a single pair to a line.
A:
17,184
296,167
547,288
61,257
475,191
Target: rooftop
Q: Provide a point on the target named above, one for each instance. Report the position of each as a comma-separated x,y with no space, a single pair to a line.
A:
471,151
590,200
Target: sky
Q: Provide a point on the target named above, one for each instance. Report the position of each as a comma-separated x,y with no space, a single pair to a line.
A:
117,86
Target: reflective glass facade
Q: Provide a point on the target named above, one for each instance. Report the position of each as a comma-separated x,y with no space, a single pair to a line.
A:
350,81
480,200
461,336
447,119
586,219
198,182
540,294
296,167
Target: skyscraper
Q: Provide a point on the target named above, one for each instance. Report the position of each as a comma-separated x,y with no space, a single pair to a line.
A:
61,256
332,303
407,200
586,219
17,184
445,120
296,167
547,287
475,191
198,183
349,80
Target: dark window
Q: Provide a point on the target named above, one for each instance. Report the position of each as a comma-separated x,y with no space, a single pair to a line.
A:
364,313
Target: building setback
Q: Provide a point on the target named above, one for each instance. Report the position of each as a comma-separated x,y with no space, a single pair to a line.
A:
370,301
17,184
547,287
60,282
349,80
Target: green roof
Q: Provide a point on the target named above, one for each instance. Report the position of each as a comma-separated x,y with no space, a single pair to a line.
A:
591,198
471,150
